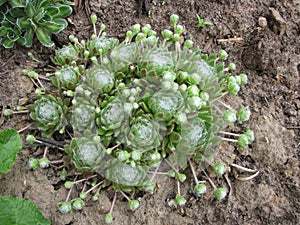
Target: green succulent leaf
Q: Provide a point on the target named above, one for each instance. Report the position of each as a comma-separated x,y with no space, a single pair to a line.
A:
17,211
3,31
29,33
42,3
7,43
17,3
23,23
17,12
30,9
44,37
39,15
2,17
10,145
64,11
55,26
52,11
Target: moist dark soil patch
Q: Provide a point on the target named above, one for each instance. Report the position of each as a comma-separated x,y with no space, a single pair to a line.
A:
268,55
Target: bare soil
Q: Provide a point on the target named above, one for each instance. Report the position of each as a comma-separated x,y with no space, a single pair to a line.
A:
269,55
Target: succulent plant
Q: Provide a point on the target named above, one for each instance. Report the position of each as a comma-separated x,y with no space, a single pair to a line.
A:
126,175
20,20
66,78
111,116
143,103
83,115
48,112
86,153
65,55
143,134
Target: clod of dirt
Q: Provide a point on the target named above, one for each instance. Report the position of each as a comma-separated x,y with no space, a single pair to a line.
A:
277,23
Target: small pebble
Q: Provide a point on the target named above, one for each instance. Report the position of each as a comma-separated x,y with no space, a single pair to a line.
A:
262,22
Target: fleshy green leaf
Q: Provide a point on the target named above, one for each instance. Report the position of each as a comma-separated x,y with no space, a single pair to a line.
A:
3,31
17,12
2,17
30,9
55,26
23,23
17,3
39,15
52,11
64,11
28,37
44,37
7,43
10,145
17,211
43,4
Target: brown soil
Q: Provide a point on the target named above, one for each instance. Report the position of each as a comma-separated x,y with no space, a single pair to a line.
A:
270,57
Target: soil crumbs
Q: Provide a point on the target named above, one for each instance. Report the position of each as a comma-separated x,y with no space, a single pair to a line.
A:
267,52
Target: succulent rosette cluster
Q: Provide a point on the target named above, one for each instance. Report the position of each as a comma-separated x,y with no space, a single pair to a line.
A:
141,103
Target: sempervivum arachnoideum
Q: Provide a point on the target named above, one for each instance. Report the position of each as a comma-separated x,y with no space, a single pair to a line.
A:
49,114
86,153
146,104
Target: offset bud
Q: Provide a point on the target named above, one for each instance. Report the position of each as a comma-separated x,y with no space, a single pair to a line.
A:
223,54
219,168
250,135
244,79
136,29
146,29
83,195
243,114
174,19
233,88
243,141
77,203
133,205
139,37
166,34
65,207
68,184
108,218
220,193
176,37
44,162
33,163
179,29
180,200
199,189
188,44
102,27
93,19
231,66
8,112
229,116
181,177
30,138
